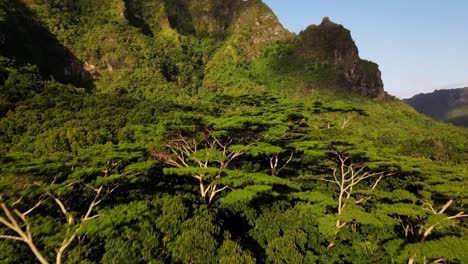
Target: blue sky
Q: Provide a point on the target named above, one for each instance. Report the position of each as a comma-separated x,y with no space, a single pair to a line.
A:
420,45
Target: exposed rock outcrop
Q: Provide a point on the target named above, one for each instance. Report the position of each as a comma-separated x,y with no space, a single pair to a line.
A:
332,43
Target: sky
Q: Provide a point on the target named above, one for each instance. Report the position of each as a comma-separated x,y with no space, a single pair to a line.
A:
420,45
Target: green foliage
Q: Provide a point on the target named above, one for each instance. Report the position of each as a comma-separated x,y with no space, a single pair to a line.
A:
281,68
228,73
244,195
160,75
231,252
17,83
196,242
449,248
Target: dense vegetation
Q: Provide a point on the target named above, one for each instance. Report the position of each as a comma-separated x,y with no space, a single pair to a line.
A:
197,153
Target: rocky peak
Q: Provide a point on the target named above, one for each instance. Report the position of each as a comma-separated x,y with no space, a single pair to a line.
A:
332,43
214,17
257,26
223,18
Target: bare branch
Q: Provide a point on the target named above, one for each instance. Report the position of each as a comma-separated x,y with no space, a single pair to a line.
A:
427,206
214,192
95,202
12,238
19,214
222,189
459,215
17,201
8,224
8,215
335,177
438,261
446,206
287,162
41,201
64,210
363,200
90,218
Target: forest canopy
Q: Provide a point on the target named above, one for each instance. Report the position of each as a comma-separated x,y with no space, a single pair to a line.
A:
157,140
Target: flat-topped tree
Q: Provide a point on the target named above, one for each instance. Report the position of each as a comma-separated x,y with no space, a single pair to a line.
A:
348,197
15,216
435,236
347,175
204,159
67,189
278,157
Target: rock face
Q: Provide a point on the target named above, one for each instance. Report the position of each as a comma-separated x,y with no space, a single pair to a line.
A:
257,26
203,18
213,18
443,105
332,43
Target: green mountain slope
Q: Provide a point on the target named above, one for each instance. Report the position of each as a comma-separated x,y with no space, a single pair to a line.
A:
208,44
443,105
28,41
207,133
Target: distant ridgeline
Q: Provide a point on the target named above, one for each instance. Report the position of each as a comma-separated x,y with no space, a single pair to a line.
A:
228,46
449,105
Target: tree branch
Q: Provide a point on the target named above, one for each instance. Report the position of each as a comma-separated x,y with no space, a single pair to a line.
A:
93,204
65,212
459,215
12,238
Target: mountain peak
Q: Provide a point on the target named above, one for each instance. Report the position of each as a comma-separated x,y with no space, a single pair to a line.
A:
332,43
256,27
326,20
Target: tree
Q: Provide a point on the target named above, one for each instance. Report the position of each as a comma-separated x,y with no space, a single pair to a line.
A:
273,154
18,222
347,176
438,218
204,160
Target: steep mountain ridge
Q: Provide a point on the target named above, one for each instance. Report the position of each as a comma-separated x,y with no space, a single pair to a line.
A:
450,105
133,33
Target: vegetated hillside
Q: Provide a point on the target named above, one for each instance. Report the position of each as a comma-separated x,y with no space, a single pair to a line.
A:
204,132
444,105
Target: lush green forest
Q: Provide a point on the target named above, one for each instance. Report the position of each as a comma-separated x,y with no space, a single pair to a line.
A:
163,131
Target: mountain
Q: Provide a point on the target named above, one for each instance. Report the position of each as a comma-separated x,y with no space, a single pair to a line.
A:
332,43
171,40
203,131
443,105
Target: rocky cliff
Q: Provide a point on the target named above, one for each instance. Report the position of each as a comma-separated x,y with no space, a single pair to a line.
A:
332,43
